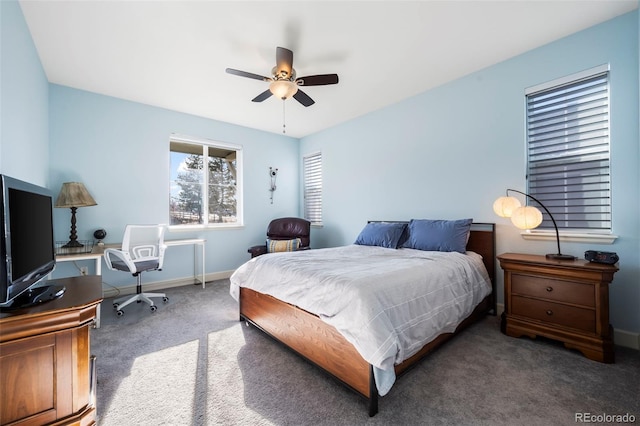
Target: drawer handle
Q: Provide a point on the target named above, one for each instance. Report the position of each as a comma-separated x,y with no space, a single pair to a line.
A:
549,289
549,312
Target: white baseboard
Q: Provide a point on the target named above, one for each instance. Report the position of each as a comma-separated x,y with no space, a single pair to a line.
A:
220,275
620,337
626,339
109,291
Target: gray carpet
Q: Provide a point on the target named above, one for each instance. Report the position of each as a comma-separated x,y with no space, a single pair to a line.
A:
193,363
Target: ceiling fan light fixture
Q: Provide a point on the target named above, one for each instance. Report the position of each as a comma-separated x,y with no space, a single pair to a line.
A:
283,82
283,89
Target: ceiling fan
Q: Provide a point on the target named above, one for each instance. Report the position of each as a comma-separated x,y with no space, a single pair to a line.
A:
283,81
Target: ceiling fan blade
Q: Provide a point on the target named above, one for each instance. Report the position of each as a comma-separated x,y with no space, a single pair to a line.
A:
284,60
262,96
318,80
247,74
303,98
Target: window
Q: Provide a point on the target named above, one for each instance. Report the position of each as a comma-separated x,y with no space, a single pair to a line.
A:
205,181
312,171
568,151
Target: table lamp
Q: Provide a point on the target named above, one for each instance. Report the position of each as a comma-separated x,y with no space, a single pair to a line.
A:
527,217
74,195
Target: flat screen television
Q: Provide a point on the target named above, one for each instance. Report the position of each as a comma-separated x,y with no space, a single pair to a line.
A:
27,247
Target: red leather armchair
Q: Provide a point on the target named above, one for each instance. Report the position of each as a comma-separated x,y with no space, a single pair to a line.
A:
285,228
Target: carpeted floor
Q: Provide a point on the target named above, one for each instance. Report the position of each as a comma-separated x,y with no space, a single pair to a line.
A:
193,363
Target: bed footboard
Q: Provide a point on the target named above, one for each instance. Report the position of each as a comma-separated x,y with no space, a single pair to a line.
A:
321,344
311,338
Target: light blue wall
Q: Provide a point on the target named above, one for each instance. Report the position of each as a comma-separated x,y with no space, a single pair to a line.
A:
120,151
24,133
450,152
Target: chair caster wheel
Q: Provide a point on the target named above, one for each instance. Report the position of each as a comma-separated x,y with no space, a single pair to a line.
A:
153,308
115,305
120,312
165,299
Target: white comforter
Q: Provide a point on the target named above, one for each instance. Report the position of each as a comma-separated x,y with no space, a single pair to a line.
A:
387,303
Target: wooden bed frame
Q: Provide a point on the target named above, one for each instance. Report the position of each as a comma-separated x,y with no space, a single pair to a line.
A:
321,344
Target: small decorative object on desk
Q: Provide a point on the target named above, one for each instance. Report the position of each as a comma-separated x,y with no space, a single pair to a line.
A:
100,235
86,247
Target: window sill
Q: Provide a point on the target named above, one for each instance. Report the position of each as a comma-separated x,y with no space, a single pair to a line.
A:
570,237
190,228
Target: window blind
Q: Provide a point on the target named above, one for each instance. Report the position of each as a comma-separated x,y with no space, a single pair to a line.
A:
312,170
568,153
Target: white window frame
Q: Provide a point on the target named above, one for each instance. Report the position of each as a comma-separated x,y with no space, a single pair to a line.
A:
312,187
205,144
541,139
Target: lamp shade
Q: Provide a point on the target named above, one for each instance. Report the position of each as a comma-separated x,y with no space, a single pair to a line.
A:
74,194
283,89
504,206
526,217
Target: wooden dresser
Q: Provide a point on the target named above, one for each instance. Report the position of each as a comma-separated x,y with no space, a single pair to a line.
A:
47,374
559,299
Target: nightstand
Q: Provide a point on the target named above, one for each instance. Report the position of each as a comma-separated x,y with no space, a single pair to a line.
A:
565,300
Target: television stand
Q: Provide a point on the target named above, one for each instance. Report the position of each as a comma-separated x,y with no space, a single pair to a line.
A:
48,373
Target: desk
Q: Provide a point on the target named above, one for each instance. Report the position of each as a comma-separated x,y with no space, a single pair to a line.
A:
95,255
199,269
97,252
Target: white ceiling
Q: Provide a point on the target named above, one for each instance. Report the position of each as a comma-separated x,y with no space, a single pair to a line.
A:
173,54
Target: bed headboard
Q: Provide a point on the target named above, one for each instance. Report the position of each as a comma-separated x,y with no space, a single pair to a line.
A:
482,240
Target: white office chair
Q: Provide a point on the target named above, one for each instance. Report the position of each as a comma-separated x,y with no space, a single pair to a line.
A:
142,250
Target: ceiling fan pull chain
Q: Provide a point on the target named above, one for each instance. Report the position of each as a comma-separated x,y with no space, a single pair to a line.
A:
283,117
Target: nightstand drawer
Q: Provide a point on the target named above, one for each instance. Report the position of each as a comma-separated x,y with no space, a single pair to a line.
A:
555,313
549,288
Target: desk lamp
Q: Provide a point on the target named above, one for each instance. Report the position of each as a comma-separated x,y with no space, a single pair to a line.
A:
74,195
527,217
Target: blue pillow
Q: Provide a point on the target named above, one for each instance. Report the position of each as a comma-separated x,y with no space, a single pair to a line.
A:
438,235
381,234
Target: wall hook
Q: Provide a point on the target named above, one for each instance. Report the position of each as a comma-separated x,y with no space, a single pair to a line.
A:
273,173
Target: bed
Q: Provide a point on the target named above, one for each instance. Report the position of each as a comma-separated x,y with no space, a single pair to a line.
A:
280,294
